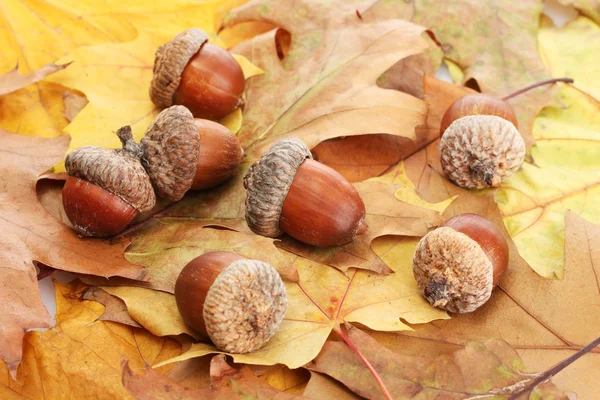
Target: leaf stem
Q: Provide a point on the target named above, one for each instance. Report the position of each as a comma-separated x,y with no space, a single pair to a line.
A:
556,369
538,84
364,360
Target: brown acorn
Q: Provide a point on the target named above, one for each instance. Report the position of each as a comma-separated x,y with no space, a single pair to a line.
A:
183,153
457,265
480,144
203,77
106,188
287,191
238,303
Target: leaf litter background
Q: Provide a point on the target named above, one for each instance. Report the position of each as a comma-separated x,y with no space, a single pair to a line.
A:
331,86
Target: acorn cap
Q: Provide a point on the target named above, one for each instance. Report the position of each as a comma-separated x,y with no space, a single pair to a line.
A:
118,171
169,63
171,149
244,306
268,182
452,271
479,151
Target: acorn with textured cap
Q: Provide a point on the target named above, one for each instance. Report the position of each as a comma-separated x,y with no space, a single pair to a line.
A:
288,191
457,265
203,77
106,188
183,153
480,144
236,302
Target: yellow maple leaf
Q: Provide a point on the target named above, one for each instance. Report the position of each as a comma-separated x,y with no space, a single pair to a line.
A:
116,76
81,356
565,177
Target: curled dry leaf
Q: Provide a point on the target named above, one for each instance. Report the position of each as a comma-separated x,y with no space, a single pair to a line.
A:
115,309
30,233
13,80
326,90
489,367
81,355
227,383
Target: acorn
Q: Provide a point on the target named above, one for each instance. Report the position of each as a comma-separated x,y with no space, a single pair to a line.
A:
457,265
236,302
106,188
203,77
288,191
183,153
480,144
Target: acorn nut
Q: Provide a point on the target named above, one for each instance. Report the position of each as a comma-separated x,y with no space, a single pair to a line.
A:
287,191
480,143
183,153
203,77
457,265
106,188
237,302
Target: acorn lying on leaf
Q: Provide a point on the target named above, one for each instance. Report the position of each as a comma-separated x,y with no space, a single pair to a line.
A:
183,153
203,77
106,188
238,303
457,265
288,191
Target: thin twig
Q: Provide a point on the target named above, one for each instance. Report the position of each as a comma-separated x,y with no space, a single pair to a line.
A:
542,83
556,369
364,360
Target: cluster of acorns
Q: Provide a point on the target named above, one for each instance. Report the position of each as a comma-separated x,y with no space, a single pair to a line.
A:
240,303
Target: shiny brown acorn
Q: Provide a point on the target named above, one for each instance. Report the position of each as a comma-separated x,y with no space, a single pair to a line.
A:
236,302
287,191
203,77
183,153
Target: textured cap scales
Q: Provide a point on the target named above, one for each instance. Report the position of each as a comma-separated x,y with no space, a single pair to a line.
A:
268,182
244,306
169,63
452,271
116,170
171,149
479,151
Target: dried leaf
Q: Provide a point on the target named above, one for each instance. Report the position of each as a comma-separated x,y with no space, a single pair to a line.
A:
227,383
115,308
565,177
13,80
322,386
544,320
81,356
31,234
562,48
327,82
489,367
587,7
496,44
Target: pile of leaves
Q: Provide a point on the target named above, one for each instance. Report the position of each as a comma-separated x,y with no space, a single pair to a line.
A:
353,79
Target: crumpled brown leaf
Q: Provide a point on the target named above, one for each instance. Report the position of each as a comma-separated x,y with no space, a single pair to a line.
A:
115,308
31,234
81,356
489,367
227,383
